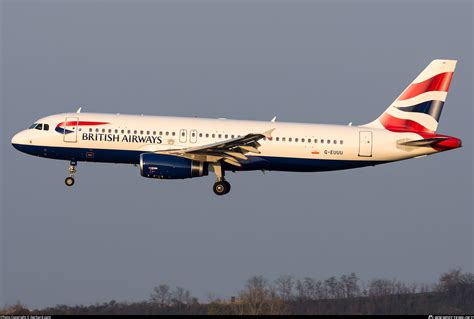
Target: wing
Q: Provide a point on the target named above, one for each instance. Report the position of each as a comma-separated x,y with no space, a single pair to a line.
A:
230,151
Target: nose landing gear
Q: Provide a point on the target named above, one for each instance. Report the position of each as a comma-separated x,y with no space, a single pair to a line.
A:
69,181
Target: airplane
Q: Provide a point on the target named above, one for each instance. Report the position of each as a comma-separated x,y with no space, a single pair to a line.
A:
183,147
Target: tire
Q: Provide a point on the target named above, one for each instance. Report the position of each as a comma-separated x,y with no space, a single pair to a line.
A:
221,188
69,181
227,185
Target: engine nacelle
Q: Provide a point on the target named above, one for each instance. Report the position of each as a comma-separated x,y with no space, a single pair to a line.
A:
170,167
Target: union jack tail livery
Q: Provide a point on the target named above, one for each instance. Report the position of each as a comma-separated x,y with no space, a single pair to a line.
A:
419,107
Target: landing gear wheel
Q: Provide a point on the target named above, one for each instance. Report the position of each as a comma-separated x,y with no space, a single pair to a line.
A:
69,181
221,188
227,185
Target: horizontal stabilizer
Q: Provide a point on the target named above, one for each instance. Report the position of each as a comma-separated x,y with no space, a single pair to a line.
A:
425,141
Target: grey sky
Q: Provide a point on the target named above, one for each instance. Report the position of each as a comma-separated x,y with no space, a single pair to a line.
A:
115,235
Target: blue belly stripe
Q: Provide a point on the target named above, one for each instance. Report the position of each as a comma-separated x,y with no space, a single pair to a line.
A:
253,163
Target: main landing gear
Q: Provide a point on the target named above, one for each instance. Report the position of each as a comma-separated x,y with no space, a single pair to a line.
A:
221,186
69,181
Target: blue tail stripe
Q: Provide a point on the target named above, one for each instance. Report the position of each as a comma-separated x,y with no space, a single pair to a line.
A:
433,108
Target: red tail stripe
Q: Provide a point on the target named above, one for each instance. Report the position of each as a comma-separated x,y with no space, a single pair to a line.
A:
80,123
438,82
403,125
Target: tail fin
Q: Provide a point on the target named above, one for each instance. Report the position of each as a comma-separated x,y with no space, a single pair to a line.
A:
419,107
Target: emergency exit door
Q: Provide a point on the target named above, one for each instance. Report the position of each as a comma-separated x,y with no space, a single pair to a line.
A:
183,136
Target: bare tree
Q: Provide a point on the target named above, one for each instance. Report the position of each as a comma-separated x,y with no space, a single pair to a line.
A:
302,293
334,288
284,287
15,310
254,294
458,286
350,285
161,295
276,305
260,298
454,278
381,287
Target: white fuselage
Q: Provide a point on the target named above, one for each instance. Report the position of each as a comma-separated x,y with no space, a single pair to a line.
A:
292,146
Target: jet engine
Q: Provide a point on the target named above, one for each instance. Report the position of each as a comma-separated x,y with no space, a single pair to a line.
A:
170,167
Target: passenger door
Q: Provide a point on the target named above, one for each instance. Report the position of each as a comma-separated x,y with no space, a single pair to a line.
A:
70,129
365,144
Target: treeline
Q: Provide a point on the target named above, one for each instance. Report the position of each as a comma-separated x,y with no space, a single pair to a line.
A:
452,294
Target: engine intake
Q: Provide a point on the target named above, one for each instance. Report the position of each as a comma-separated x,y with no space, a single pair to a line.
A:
170,167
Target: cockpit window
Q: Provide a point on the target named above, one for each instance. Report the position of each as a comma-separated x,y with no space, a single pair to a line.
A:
40,126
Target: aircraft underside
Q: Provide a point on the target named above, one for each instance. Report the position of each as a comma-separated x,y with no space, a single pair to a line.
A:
270,163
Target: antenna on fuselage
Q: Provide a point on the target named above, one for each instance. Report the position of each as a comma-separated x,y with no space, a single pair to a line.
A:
79,110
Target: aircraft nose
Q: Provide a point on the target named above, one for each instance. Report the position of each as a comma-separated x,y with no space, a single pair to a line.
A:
15,139
18,140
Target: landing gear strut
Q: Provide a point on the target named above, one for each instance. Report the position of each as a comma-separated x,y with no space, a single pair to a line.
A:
69,181
221,186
